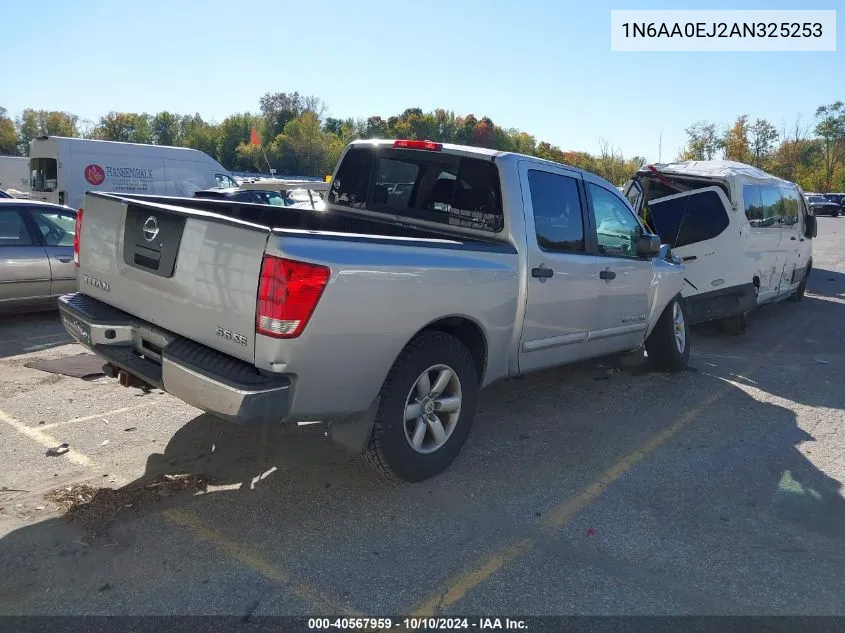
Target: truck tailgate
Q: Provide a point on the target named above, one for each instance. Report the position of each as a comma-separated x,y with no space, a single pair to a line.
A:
186,271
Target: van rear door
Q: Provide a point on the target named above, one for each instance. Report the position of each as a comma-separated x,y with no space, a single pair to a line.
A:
699,228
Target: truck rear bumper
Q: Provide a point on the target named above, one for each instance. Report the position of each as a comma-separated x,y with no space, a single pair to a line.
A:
194,373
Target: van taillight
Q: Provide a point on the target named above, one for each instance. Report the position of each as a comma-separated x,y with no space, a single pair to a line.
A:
288,292
77,233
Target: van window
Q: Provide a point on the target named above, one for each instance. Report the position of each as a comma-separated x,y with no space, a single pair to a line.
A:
224,182
431,186
44,174
770,206
689,219
558,222
791,206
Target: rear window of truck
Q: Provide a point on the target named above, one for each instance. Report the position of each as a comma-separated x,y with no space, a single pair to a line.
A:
423,185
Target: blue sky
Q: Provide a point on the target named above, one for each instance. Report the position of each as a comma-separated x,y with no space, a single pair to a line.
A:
543,66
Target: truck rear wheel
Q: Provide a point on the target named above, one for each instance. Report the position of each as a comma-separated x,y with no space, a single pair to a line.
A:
668,343
426,410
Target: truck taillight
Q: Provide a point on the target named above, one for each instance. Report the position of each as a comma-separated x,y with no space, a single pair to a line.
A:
410,144
77,233
288,292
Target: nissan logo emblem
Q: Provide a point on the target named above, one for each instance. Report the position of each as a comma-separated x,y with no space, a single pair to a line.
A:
150,229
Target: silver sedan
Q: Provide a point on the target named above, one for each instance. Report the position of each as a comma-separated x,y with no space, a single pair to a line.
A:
36,254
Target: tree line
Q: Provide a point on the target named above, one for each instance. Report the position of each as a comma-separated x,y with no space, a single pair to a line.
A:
293,135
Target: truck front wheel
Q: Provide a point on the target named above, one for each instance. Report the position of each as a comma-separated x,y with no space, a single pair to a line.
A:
668,343
426,410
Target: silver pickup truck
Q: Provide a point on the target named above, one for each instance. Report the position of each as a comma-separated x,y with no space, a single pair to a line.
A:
383,315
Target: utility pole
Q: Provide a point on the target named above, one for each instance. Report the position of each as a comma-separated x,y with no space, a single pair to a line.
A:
660,148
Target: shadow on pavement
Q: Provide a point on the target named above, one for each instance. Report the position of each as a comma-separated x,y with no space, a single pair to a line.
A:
827,283
324,513
31,332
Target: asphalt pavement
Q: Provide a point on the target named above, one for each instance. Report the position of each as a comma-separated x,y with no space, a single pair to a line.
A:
598,489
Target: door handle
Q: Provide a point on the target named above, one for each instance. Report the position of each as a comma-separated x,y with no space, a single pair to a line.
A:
542,272
690,258
607,274
65,260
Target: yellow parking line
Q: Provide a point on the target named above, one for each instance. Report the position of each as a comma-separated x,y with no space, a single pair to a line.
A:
237,552
458,587
95,416
38,435
560,515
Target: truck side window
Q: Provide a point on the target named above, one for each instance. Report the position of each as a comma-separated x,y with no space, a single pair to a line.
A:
558,222
616,227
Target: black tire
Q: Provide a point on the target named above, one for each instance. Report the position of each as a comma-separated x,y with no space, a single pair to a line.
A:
389,450
663,346
802,287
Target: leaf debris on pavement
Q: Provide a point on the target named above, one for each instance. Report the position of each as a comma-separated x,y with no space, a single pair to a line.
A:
93,509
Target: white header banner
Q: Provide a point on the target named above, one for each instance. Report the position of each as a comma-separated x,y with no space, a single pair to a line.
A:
728,30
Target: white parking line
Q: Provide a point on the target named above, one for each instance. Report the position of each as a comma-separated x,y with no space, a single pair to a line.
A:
47,440
104,414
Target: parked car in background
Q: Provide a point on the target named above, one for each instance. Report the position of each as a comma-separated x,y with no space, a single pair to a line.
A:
838,198
380,318
62,169
36,254
744,235
820,205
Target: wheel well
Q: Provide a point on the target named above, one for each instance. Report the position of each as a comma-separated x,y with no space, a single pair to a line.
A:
467,332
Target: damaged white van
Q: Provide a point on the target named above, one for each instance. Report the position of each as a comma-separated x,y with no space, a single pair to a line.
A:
744,235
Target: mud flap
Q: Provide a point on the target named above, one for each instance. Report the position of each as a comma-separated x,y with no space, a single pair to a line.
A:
354,433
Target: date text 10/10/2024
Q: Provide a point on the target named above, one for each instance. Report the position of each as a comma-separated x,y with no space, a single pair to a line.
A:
415,624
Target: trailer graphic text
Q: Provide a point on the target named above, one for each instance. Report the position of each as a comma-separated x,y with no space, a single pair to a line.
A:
129,172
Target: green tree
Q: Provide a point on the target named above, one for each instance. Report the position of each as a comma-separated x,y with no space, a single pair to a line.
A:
8,134
126,127
703,141
830,126
234,130
306,144
166,129
32,123
199,135
735,142
762,138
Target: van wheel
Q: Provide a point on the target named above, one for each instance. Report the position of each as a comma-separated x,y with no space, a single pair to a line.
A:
426,410
668,343
802,287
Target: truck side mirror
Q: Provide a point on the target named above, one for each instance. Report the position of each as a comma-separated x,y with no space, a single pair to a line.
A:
811,228
648,245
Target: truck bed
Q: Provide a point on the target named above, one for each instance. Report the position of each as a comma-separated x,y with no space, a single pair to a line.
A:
335,221
198,278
